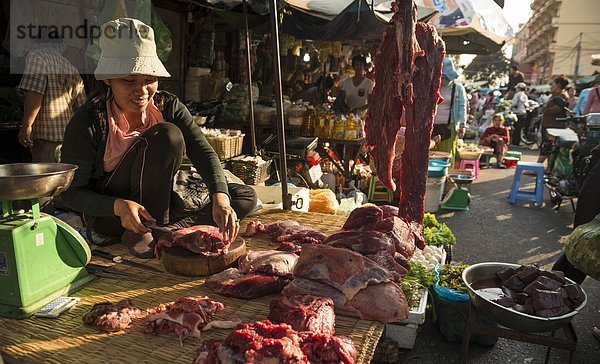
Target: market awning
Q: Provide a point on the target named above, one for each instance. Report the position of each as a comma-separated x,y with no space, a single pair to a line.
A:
470,26
339,20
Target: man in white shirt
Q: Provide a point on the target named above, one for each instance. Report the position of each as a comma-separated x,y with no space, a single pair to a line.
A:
519,107
357,89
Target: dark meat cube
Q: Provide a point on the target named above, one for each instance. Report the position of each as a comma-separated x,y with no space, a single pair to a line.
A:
520,308
527,273
529,307
515,283
533,286
510,293
550,312
563,292
575,293
505,301
521,298
550,283
505,274
554,274
544,299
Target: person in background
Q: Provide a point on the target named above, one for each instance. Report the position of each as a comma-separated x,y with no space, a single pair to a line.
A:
497,137
519,107
514,77
129,144
583,96
297,90
550,112
317,95
473,102
451,113
532,94
592,104
571,91
357,89
53,92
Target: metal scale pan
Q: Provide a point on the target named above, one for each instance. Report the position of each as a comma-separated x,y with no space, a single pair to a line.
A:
25,181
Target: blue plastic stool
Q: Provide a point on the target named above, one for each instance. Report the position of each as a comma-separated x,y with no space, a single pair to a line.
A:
537,195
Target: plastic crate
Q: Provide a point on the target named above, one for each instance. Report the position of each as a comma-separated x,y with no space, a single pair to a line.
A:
228,146
249,171
404,335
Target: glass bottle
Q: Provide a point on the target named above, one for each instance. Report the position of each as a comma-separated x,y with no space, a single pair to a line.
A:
307,129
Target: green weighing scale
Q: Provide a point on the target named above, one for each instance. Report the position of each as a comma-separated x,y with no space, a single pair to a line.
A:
41,257
458,198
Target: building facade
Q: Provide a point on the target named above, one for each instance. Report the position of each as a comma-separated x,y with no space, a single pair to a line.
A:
559,39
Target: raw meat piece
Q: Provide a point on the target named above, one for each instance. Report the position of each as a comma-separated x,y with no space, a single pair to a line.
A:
401,259
304,313
301,286
544,299
233,283
306,236
400,232
341,268
389,211
286,246
199,239
549,283
327,349
383,302
505,301
532,287
527,273
505,274
521,298
554,274
386,260
515,283
393,62
186,316
573,293
364,242
420,101
111,318
364,215
289,234
268,262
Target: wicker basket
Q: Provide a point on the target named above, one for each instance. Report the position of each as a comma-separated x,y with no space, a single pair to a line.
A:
227,147
470,155
250,172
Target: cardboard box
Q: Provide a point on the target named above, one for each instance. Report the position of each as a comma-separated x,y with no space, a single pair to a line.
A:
270,196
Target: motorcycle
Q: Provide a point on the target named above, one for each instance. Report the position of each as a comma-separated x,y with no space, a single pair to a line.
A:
532,130
571,156
303,161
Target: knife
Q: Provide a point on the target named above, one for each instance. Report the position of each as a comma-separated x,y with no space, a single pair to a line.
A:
119,259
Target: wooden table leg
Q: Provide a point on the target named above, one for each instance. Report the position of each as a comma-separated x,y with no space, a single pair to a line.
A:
467,335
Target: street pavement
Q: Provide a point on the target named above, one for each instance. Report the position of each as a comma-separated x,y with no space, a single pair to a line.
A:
495,230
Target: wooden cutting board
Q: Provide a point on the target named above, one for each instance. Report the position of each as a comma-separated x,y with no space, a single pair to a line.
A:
182,262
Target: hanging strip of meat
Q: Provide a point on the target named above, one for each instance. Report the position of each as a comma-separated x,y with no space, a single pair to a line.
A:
419,121
385,107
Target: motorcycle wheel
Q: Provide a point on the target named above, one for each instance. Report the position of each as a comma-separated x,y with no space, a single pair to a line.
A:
297,179
524,137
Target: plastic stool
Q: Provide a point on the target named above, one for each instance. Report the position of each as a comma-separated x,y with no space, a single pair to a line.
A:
514,154
486,160
537,194
378,192
470,164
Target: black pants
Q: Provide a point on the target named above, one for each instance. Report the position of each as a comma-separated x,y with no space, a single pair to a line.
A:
145,175
588,206
515,139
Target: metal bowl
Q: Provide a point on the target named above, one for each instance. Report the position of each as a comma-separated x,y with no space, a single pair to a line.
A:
23,181
506,316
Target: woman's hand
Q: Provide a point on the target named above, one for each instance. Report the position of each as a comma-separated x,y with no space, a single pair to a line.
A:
130,213
225,216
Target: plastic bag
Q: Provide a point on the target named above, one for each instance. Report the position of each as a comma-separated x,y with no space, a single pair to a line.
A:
323,201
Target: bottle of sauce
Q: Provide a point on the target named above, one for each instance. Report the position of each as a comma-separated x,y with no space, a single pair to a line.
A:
308,120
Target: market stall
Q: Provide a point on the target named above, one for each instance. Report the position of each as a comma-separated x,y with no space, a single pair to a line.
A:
67,340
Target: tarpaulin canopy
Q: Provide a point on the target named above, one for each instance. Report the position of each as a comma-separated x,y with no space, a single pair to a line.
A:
339,20
470,26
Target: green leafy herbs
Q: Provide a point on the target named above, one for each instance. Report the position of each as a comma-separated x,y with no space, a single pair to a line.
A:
450,276
437,233
415,282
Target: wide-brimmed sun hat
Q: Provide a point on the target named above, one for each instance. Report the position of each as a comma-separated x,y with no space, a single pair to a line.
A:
448,70
128,48
521,85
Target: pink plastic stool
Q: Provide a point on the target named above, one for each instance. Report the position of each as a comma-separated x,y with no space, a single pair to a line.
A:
472,164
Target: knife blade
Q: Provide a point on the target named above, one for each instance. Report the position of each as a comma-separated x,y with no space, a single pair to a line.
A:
120,260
